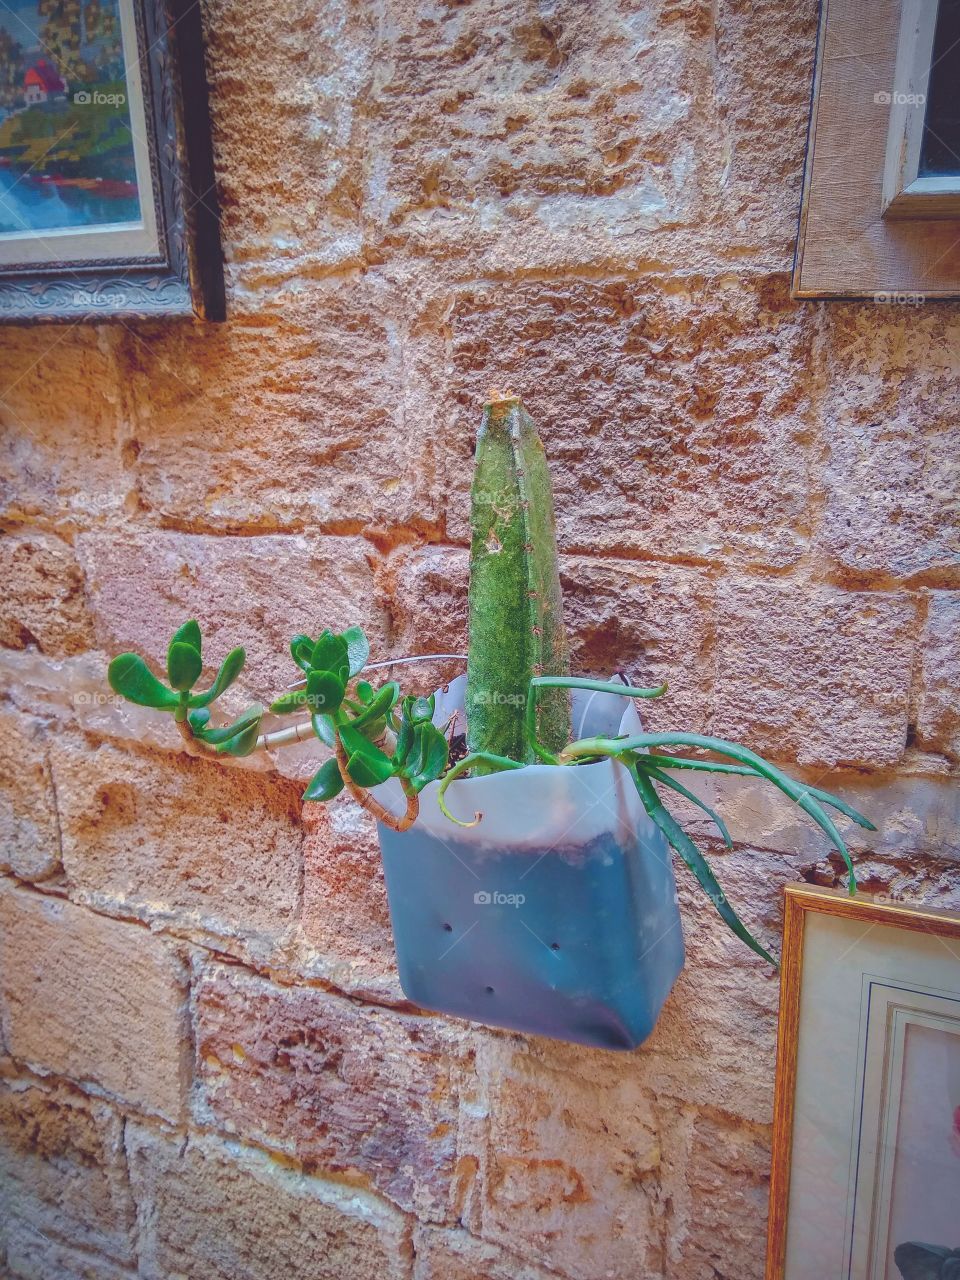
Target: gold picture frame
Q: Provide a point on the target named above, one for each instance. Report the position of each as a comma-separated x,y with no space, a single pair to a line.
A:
887,961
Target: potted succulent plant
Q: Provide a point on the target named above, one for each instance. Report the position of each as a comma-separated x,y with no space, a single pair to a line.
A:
525,843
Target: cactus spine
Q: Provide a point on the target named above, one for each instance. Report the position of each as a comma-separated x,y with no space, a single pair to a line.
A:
516,609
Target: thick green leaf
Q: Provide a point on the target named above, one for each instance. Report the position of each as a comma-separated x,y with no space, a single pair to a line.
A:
421,708
295,700
325,691
323,728
428,759
330,654
365,691
326,783
218,736
658,775
189,633
358,648
367,764
695,860
242,743
378,707
230,668
130,676
301,649
183,665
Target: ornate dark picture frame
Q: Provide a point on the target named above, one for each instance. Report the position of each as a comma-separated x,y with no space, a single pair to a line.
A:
184,276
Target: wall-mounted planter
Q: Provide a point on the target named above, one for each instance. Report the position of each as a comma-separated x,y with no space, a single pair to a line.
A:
556,914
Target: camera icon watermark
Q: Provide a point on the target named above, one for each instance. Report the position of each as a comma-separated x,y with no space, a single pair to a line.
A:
884,99
86,98
886,298
497,698
494,898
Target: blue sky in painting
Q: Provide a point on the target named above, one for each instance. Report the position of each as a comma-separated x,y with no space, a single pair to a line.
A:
20,19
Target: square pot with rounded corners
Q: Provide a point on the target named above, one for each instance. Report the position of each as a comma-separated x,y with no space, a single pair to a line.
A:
556,914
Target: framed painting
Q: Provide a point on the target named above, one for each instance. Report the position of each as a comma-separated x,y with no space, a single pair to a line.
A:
865,1183
108,204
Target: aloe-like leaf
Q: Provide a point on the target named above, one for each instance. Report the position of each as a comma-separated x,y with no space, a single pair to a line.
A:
325,691
230,668
301,650
378,707
695,861
326,783
130,676
800,794
183,665
189,633
659,776
358,648
323,728
746,771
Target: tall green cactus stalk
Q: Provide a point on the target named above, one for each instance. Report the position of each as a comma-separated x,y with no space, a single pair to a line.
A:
516,609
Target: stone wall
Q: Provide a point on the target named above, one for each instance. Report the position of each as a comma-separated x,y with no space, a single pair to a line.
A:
208,1067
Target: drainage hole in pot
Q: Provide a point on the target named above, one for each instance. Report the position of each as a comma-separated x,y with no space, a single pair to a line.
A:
554,946
489,991
448,928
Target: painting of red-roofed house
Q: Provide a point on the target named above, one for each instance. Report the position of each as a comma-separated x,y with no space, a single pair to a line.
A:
67,146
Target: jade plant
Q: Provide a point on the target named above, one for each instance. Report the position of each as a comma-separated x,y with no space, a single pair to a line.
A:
518,685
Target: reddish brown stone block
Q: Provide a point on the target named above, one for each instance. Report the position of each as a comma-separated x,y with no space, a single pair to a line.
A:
167,836
214,1210
813,674
92,999
346,1088
42,601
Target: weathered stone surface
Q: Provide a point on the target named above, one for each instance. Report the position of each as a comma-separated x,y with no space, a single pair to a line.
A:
213,1210
342,443
92,999
674,417
255,592
508,138
654,624
31,1255
717,1226
456,1255
345,918
893,472
63,1167
62,447
170,837
938,710
763,67
349,1089
303,110
813,674
42,602
571,1168
29,835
